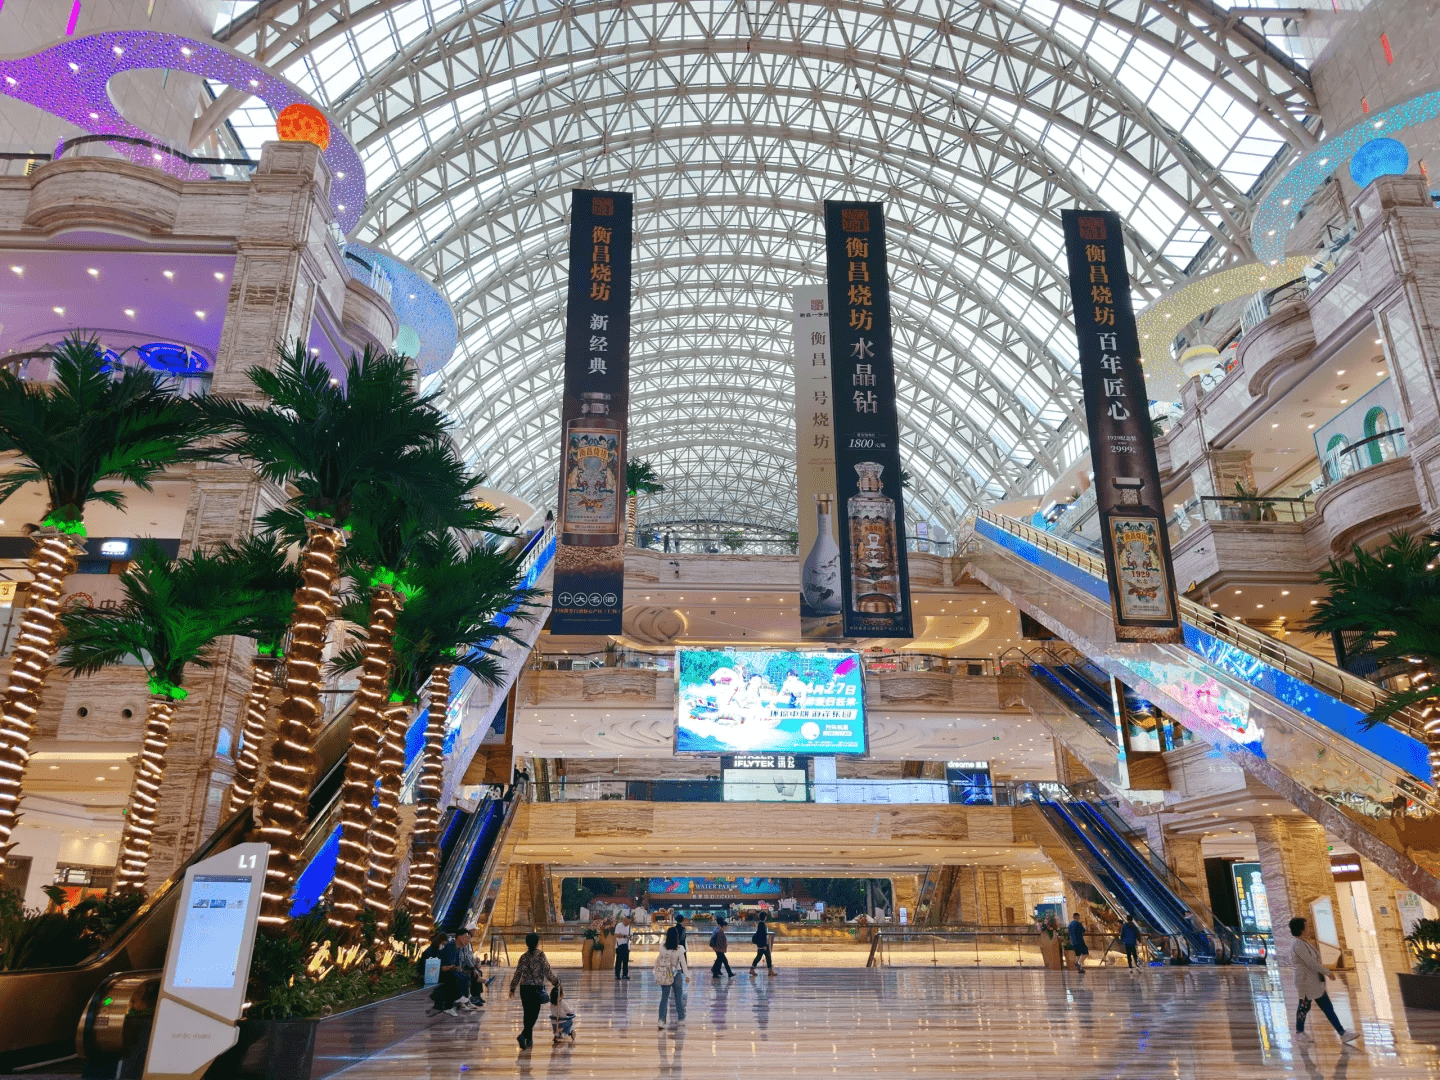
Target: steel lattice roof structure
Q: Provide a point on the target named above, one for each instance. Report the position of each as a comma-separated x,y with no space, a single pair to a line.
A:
732,121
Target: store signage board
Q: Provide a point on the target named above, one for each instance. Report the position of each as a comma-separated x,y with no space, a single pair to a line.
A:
874,573
818,542
208,963
594,418
1122,445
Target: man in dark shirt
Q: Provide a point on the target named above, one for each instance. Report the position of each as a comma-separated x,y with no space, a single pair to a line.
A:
680,925
455,979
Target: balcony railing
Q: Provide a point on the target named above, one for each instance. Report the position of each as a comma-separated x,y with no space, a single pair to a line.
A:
1253,508
1376,450
875,663
850,792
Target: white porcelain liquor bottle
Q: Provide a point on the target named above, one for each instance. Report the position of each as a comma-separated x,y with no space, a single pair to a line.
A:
820,576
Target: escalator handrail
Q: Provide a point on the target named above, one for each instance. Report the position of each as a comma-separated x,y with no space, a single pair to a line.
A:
454,869
1135,905
493,862
1139,877
1326,677
1199,910
1113,891
1101,725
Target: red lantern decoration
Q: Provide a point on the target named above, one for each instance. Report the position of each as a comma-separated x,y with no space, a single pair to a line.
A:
303,123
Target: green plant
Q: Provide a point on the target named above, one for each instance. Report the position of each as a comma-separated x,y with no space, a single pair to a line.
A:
1425,941
792,538
325,440
89,424
640,479
1251,506
33,939
733,539
173,613
1390,599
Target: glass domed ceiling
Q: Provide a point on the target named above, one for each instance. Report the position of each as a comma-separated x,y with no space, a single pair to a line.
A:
732,122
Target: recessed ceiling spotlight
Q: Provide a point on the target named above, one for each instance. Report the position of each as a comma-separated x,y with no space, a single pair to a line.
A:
92,271
170,274
219,276
130,312
58,310
18,270
199,314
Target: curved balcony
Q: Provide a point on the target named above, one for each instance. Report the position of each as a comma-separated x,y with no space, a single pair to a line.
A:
1365,498
1367,453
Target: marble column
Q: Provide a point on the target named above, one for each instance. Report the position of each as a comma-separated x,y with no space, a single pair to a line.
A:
1382,890
284,259
1295,867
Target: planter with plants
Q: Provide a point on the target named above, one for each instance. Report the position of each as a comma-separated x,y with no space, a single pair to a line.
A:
1420,989
314,1005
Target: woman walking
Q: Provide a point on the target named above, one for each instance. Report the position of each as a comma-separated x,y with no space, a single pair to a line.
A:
670,972
531,975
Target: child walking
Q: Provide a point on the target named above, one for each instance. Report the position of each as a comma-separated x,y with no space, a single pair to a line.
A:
562,1016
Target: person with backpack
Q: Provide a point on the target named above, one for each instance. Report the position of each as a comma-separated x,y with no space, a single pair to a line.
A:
719,943
761,941
670,970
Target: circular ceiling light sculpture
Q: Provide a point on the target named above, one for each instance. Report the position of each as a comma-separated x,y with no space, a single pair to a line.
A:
303,123
1383,157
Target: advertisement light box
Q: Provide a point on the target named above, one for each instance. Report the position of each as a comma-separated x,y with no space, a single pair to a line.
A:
769,701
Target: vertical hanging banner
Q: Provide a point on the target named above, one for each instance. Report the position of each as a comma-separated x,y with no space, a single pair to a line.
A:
818,548
1122,445
874,578
590,525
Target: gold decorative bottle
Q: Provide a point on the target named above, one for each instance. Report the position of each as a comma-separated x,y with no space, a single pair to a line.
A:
591,510
874,561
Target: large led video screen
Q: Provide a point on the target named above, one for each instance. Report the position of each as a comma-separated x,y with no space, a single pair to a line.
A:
738,701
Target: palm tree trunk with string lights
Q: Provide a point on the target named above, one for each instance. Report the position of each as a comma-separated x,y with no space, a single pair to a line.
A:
253,733
358,791
385,831
285,796
56,557
141,811
425,855
633,514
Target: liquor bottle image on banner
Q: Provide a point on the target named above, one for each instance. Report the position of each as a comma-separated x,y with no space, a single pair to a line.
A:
591,514
820,576
874,562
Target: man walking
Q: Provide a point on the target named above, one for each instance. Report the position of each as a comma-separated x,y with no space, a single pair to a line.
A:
761,941
1130,938
622,948
719,943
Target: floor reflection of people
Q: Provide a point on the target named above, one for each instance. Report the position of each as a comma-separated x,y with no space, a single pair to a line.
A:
670,1050
719,1001
762,1007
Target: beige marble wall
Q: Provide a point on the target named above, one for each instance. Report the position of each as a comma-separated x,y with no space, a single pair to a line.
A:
1385,911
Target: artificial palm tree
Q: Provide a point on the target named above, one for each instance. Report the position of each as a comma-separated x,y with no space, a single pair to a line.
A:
451,622
389,524
1391,598
172,615
90,424
325,440
640,479
260,564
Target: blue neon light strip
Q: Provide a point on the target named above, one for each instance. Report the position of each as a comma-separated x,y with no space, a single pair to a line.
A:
1395,746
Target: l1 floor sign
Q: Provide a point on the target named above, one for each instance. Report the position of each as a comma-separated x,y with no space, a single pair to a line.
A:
208,963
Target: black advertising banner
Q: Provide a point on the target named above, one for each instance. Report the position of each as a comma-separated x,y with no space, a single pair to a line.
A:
874,579
590,529
1122,445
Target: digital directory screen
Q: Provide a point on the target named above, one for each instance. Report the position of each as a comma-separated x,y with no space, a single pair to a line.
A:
741,701
212,933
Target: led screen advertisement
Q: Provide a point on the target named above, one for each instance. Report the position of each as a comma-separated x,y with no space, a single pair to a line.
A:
1250,898
769,700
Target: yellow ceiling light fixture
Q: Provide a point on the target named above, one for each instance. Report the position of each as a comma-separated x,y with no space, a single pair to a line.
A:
1191,300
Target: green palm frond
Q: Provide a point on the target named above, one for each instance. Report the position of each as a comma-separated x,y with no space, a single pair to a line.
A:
328,439
1390,598
173,613
261,565
642,479
89,425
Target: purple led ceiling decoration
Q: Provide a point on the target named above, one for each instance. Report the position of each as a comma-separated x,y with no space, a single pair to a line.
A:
428,332
69,80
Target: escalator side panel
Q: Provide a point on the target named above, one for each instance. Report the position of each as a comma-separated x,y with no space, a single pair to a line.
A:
474,865
1121,898
1284,742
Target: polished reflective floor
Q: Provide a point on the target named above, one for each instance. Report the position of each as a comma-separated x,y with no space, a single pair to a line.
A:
906,1022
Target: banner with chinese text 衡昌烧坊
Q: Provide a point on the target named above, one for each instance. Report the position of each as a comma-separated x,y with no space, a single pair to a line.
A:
590,524
1122,444
869,503
818,546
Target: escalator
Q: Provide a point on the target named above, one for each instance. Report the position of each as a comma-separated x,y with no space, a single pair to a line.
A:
1133,885
40,1007
461,874
1291,721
